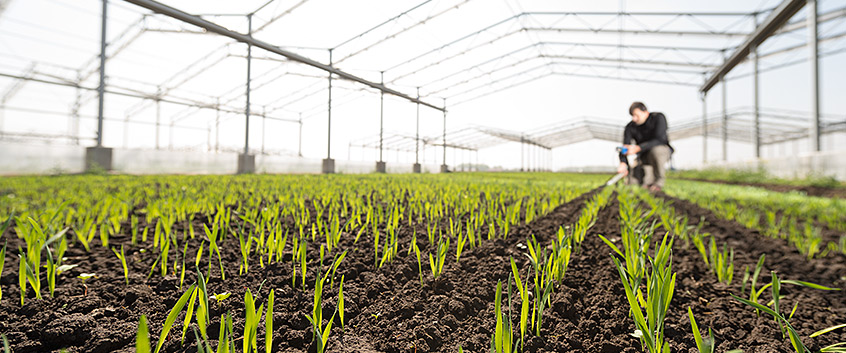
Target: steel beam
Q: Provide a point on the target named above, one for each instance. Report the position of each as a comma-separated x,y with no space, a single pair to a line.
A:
213,27
630,61
125,92
637,32
771,24
401,31
638,13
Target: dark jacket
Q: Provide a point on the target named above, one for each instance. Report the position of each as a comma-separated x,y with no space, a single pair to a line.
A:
652,133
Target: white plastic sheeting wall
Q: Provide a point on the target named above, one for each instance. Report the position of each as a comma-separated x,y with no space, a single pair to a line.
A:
33,158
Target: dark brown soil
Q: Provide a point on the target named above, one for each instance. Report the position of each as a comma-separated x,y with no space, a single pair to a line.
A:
387,309
734,324
809,190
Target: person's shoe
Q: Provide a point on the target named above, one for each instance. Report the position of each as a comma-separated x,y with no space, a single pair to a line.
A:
655,188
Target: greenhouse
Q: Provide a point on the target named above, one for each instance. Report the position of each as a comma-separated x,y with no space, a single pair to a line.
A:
422,176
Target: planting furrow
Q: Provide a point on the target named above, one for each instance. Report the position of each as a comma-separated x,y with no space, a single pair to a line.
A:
398,315
735,325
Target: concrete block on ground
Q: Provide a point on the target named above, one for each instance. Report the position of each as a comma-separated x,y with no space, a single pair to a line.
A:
246,163
328,166
98,158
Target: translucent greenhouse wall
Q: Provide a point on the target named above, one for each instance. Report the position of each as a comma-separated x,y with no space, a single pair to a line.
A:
33,158
828,163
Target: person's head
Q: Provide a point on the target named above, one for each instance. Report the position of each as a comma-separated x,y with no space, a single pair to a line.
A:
638,112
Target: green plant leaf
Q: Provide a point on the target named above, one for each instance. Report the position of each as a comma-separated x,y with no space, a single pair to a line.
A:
807,284
142,338
171,318
268,323
827,330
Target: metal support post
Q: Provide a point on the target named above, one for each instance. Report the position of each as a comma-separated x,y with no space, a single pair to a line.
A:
813,45
249,67
101,89
217,126
75,112
724,124
300,138
703,96
380,165
170,134
158,121
756,118
329,163
522,153
381,116
444,167
416,167
126,131
263,128
99,157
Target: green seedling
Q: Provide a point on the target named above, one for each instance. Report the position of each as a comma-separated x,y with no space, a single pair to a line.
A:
783,322
253,316
341,302
142,337
321,334
753,291
200,347
221,297
524,299
188,313
837,347
84,277
795,341
268,323
827,330
459,246
501,339
703,344
437,262
419,263
122,257
722,262
2,262
171,317
22,278
660,286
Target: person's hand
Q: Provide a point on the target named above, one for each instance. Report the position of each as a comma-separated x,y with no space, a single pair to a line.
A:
623,169
632,149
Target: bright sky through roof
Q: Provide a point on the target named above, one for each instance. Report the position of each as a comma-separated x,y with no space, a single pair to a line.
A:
58,40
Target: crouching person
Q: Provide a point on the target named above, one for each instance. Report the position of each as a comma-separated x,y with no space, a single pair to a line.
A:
646,138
